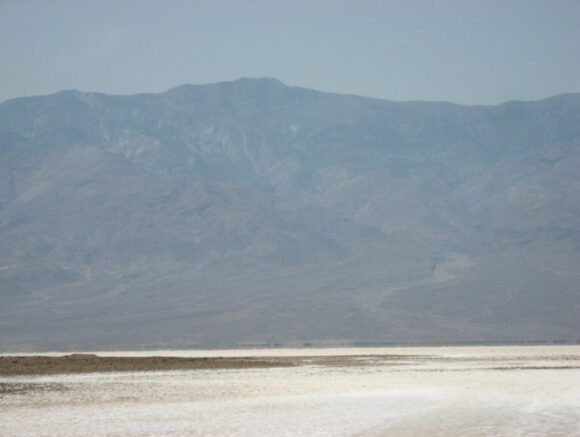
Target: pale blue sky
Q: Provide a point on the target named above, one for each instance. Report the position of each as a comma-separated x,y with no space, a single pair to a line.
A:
485,51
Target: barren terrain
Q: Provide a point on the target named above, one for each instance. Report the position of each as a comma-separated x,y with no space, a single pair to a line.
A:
470,391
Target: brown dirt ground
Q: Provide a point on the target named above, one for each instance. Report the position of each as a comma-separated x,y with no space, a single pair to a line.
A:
9,388
89,363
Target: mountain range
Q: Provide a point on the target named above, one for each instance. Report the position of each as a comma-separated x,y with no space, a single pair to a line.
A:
251,212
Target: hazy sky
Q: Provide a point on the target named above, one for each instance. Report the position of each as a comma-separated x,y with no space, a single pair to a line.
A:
484,51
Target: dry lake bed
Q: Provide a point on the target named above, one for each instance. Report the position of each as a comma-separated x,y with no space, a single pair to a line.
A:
463,391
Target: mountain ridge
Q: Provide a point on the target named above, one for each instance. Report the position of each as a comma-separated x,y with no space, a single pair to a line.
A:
250,211
275,81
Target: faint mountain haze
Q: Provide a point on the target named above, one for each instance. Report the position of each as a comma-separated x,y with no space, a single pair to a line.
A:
254,212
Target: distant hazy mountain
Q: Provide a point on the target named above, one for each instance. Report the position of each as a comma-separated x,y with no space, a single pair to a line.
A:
252,212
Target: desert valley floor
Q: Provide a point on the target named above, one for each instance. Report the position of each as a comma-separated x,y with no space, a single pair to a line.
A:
468,391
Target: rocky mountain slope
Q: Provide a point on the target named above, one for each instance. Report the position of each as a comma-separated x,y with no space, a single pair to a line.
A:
252,212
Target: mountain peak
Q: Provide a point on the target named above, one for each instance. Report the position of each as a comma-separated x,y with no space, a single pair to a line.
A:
257,80
237,84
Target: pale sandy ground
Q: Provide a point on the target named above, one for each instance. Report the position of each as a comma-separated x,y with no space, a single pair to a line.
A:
481,391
